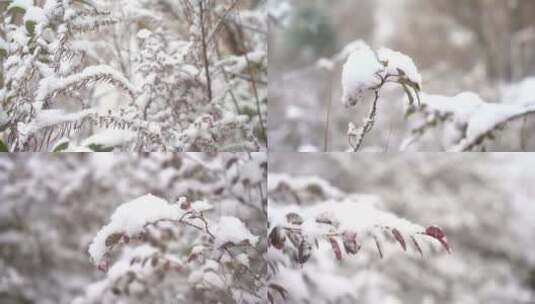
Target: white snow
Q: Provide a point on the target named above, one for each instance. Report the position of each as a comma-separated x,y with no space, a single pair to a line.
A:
130,219
236,64
356,215
462,106
3,45
468,111
52,84
124,265
303,182
47,118
201,206
232,230
213,279
396,61
251,170
143,34
110,138
522,93
34,14
359,75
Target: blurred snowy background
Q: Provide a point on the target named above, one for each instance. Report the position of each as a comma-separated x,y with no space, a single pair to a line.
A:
51,207
483,202
482,46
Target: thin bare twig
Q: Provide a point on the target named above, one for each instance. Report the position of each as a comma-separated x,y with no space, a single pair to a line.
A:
205,52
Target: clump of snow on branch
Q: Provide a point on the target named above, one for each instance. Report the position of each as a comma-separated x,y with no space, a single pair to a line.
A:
231,230
365,73
130,219
361,73
399,64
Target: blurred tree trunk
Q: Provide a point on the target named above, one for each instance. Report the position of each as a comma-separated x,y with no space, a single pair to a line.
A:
495,24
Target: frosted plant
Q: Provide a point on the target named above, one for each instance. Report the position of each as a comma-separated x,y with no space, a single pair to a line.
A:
54,206
365,73
78,69
148,225
472,121
330,221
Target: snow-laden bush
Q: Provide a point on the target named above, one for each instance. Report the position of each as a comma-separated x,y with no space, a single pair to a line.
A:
189,76
152,232
198,238
472,120
310,220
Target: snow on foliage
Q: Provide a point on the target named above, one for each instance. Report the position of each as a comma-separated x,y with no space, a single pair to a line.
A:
473,119
156,248
344,225
202,88
232,231
397,63
365,73
130,219
108,139
361,73
50,86
139,222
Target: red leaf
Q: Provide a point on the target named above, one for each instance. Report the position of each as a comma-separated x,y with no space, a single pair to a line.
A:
399,238
350,242
417,246
336,248
437,233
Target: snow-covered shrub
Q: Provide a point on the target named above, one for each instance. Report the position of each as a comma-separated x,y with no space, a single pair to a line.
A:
470,119
309,220
153,232
72,69
464,194
365,73
54,205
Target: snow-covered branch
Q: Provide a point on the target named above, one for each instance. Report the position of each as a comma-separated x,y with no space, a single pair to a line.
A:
473,119
308,217
365,73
